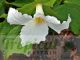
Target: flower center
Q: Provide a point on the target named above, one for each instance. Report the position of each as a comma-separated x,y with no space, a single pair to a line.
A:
39,20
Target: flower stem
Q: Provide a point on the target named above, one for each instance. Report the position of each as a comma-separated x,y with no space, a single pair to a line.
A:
39,9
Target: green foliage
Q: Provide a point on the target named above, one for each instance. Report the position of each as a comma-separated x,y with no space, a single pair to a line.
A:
72,1
21,3
71,7
10,42
28,8
1,7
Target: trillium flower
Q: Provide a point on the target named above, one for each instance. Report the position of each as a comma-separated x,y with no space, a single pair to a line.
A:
35,29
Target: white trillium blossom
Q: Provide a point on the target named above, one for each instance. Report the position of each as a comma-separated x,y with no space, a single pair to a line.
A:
35,29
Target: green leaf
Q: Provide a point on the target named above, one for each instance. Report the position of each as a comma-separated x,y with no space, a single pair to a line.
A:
10,41
1,7
58,2
3,15
4,29
72,8
49,11
28,8
72,1
20,3
46,2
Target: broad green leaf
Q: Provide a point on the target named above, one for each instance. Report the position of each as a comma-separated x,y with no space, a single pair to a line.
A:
20,3
73,9
10,41
28,8
4,29
49,11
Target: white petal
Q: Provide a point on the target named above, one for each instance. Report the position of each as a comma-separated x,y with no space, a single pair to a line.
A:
59,27
52,19
32,33
15,17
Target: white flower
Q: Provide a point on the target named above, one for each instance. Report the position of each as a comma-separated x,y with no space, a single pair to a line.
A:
35,29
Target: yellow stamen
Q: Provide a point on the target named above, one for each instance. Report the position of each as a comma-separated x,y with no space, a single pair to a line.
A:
39,20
